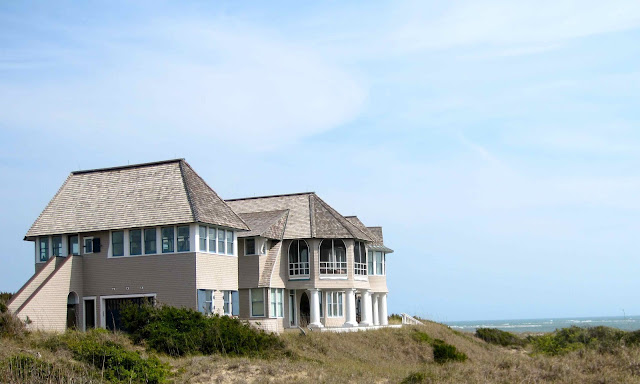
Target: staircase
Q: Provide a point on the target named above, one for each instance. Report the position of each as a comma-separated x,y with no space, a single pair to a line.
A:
410,320
32,285
267,272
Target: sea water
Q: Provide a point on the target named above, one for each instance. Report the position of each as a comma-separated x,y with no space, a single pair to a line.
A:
627,323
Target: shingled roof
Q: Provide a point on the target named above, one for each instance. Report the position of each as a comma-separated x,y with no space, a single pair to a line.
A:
309,216
375,233
270,224
150,194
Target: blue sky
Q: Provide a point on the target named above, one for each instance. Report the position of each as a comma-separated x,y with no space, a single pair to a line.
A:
496,142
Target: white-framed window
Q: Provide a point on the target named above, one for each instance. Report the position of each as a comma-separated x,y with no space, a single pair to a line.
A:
221,240
277,302
334,303
150,238
167,239
88,245
183,238
202,238
333,257
206,301
212,240
360,259
250,246
56,245
117,243
370,262
321,301
135,242
298,259
43,249
74,245
379,262
257,302
229,302
230,242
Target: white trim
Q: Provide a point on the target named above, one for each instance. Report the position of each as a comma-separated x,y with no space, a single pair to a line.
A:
84,239
302,276
84,312
103,320
275,315
255,246
251,303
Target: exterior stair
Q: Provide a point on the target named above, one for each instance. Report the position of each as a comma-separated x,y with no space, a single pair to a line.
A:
269,265
32,285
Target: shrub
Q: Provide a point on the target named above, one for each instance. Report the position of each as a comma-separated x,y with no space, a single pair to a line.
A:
11,325
443,352
565,340
182,331
499,337
414,378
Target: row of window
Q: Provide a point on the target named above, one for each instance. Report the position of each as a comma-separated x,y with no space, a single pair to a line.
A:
215,240
276,302
206,302
51,246
333,259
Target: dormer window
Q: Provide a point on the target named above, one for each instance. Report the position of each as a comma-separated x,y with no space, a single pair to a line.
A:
333,257
298,259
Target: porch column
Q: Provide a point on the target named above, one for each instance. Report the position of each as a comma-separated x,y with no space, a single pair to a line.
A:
315,309
351,309
366,309
375,304
384,320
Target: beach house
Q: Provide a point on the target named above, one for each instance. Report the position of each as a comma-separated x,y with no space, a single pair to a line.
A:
157,232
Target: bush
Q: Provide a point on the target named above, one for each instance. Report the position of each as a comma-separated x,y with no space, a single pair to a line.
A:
4,299
115,362
443,352
414,378
565,340
499,337
11,325
182,331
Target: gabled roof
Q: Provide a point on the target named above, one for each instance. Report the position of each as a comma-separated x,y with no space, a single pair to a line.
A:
375,233
270,224
150,194
309,216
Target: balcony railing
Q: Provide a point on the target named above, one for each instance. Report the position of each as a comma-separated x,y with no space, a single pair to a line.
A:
360,269
333,268
299,269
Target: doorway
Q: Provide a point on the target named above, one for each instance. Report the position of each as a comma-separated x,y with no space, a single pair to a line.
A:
72,311
293,321
305,310
89,313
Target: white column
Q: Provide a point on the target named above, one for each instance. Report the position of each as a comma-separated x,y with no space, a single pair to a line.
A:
375,304
366,309
351,309
315,309
383,309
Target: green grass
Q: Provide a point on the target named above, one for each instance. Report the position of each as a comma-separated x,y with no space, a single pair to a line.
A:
499,337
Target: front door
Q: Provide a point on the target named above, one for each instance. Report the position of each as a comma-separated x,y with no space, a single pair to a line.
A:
305,310
89,314
292,308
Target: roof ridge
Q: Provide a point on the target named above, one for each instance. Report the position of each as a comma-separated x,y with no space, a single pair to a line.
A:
269,196
194,213
47,206
340,219
126,166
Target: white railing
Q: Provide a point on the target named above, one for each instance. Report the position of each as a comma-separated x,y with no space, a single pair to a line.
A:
333,267
360,269
410,320
299,269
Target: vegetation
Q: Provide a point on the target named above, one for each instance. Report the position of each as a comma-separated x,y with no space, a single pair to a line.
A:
499,337
182,331
601,339
442,352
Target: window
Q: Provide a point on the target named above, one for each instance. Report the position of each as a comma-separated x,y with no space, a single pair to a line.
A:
277,302
44,248
298,258
379,259
150,241
117,243
229,242
360,259
257,302
167,239
88,244
183,238
320,296
370,259
228,302
74,246
249,246
135,242
202,242
334,304
56,245
220,240
333,257
212,239
205,301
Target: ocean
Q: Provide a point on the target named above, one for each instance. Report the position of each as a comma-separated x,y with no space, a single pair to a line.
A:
627,323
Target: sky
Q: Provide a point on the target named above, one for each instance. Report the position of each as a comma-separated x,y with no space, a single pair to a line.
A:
496,142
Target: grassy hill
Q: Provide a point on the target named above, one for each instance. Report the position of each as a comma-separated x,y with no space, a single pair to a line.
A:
432,353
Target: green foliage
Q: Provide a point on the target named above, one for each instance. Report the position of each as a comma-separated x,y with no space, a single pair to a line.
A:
11,325
182,331
562,341
499,337
115,362
442,352
4,299
414,378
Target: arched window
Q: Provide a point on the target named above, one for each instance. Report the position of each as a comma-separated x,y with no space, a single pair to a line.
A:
360,259
298,258
333,257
